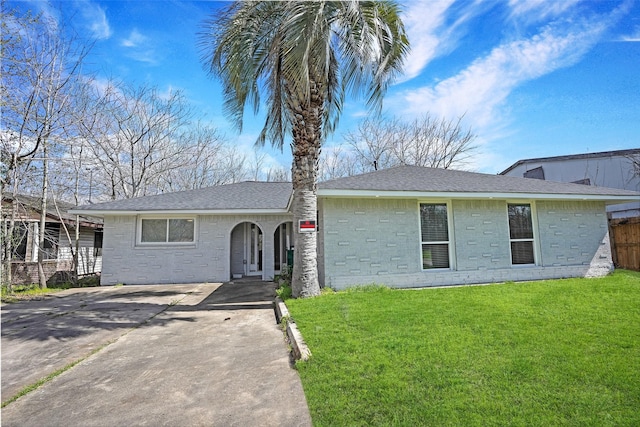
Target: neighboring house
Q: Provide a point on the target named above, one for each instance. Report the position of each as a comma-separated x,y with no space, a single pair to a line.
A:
58,243
406,227
613,169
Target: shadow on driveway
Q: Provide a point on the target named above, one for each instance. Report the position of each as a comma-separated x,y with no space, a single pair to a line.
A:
67,316
42,336
188,355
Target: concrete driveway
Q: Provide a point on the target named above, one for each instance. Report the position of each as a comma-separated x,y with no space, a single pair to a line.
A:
178,355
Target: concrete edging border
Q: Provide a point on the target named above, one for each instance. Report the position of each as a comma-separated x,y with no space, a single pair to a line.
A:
298,346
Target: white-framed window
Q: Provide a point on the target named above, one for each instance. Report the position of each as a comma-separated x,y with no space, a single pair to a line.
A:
435,236
521,234
171,231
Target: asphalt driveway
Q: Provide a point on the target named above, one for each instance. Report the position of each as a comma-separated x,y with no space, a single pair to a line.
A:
179,355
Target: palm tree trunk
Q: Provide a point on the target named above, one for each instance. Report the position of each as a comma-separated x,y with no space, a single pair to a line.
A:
304,172
304,281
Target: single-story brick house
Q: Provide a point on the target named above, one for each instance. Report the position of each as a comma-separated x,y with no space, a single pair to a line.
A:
407,226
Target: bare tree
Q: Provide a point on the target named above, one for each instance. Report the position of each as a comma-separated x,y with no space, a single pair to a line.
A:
435,143
634,161
336,162
257,163
63,134
372,144
278,174
135,142
380,143
232,166
209,160
140,141
39,64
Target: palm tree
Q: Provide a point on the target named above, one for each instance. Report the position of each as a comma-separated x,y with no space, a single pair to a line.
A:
302,57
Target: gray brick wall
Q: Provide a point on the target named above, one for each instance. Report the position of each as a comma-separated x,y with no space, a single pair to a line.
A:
366,241
320,241
377,241
570,232
207,260
370,237
481,231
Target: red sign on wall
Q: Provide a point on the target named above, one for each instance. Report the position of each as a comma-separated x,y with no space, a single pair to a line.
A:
307,226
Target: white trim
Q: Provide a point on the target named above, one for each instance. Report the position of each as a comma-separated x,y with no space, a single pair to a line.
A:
537,249
471,195
397,194
181,212
290,202
253,250
285,244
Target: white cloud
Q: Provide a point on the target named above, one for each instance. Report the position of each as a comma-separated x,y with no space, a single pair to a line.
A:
534,10
422,21
434,29
479,92
95,19
140,48
633,37
135,39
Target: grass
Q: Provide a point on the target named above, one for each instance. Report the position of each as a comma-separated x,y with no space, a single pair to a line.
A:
561,352
284,291
284,281
28,292
33,291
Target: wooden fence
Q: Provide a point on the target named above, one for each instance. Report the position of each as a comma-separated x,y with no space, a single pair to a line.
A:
625,242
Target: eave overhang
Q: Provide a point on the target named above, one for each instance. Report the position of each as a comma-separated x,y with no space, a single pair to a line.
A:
608,199
170,212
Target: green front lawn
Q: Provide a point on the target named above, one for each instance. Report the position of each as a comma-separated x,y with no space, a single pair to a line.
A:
562,352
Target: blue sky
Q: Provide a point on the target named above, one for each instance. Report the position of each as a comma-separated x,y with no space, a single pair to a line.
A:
533,78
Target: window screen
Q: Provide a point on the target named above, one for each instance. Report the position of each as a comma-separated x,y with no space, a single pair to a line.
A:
521,234
180,230
154,230
177,230
434,227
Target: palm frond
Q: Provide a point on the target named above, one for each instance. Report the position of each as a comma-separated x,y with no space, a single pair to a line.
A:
274,51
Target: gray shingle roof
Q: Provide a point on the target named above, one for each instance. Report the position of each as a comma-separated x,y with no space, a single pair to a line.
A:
238,196
420,179
261,196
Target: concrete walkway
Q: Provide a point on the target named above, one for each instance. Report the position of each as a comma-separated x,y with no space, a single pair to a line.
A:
179,355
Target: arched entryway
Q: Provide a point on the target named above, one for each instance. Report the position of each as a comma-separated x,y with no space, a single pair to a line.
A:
246,250
282,242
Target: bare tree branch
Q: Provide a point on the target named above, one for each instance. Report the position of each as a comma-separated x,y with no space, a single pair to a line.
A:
380,143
